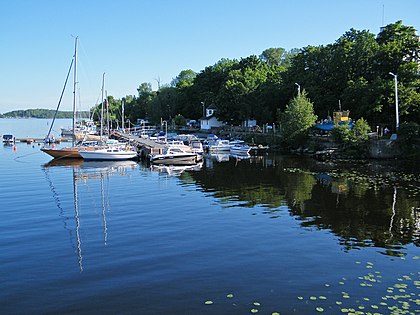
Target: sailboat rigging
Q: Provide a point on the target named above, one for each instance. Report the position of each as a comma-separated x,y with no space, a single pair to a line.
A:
73,151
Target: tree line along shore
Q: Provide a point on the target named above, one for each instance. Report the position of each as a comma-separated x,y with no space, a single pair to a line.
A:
365,73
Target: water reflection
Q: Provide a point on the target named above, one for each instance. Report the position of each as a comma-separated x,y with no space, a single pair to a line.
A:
175,169
363,204
85,172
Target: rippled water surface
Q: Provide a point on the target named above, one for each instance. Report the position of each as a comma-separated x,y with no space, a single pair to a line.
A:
232,236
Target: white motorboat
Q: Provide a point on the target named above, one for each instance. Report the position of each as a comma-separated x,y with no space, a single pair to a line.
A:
174,155
109,153
8,139
240,149
219,145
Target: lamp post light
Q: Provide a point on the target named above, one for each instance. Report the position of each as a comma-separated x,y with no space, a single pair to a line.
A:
397,118
298,88
204,113
166,130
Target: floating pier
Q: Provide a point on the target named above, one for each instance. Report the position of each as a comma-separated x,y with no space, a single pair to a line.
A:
144,146
40,140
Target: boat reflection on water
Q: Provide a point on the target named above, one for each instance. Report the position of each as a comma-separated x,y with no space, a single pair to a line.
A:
86,173
219,157
175,169
107,166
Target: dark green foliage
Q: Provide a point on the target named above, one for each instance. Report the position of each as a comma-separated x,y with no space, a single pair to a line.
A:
408,135
297,119
356,136
354,70
42,113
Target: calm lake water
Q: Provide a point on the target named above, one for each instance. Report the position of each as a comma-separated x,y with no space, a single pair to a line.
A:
266,235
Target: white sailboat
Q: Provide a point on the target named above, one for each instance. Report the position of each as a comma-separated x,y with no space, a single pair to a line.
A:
118,151
73,151
111,152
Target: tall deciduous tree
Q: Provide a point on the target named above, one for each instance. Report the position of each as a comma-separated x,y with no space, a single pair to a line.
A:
297,118
237,100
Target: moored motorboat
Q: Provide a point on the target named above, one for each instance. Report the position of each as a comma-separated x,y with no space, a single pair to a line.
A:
109,153
8,139
174,155
240,149
219,145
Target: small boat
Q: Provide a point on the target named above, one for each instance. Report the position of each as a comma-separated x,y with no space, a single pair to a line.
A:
240,148
8,139
219,145
340,117
82,128
109,153
236,141
174,155
197,147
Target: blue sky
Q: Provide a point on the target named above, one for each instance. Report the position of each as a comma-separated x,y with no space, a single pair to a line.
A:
136,41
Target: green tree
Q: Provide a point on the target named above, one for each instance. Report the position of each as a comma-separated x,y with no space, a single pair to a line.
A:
360,131
356,136
399,53
408,133
237,99
297,119
278,56
145,96
179,120
163,105
184,79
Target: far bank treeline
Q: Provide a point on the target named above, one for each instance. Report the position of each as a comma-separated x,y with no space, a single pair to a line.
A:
41,113
354,70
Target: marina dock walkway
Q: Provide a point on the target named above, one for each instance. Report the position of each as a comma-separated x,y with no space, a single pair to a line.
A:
144,146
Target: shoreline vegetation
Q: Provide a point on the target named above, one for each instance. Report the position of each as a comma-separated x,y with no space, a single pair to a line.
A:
41,113
375,78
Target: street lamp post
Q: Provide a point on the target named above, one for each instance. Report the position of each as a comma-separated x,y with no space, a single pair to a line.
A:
166,131
397,118
298,85
204,113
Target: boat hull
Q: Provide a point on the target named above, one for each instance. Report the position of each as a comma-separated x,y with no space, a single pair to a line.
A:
240,150
108,155
72,153
176,160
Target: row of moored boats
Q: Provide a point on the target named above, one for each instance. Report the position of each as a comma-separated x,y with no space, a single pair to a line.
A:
174,152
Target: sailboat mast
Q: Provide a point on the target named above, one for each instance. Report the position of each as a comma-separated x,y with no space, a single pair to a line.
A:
122,114
107,114
74,87
102,105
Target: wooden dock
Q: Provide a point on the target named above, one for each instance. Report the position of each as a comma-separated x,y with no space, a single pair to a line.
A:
144,146
40,140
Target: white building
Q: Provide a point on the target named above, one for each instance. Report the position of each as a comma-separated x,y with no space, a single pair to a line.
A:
210,121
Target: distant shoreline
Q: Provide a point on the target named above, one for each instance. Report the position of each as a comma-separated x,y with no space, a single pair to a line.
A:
42,114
